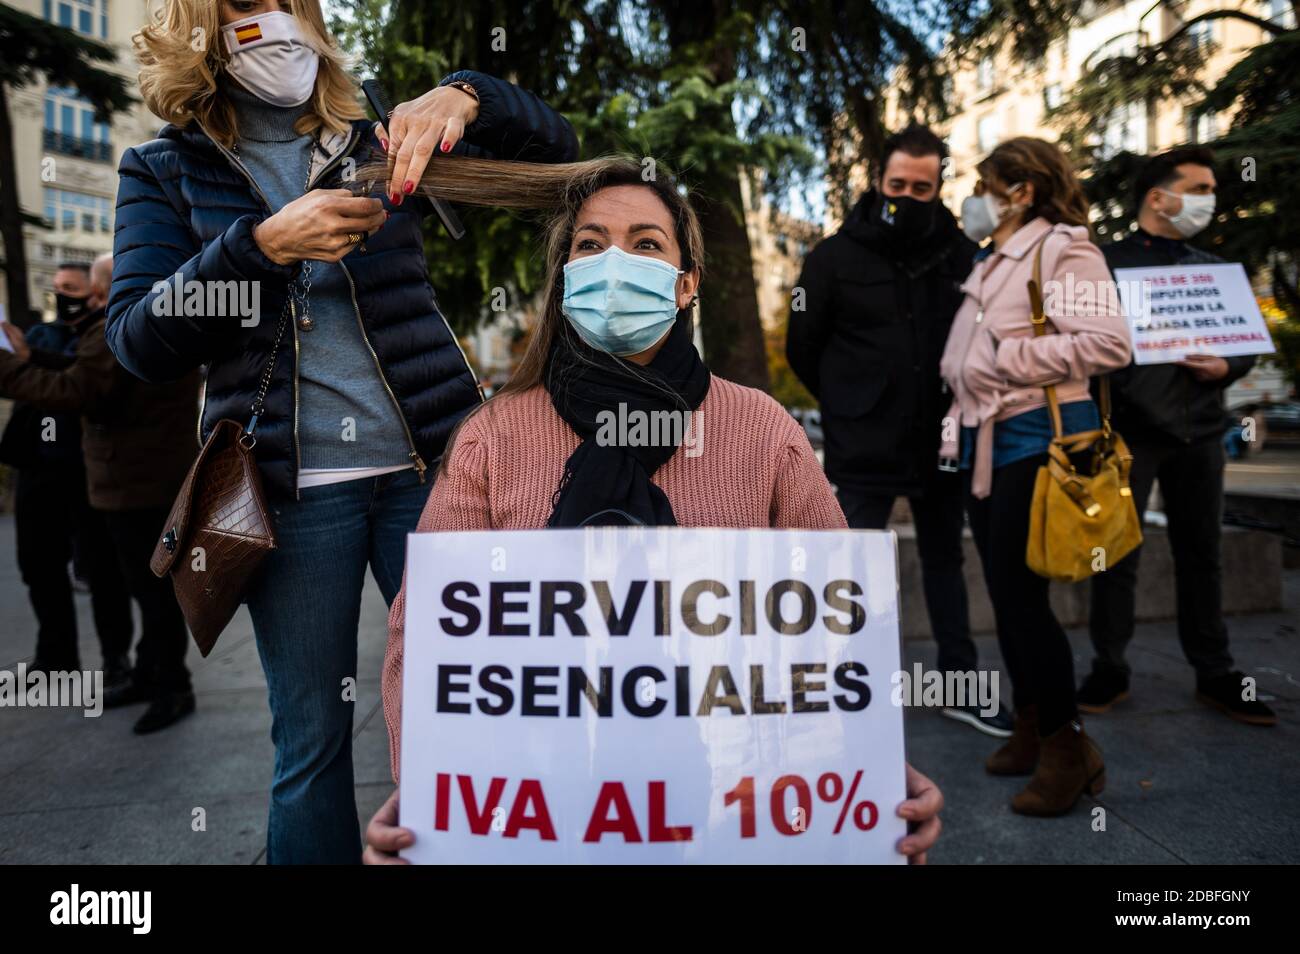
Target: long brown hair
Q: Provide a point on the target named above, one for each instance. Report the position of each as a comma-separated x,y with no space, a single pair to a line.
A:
1058,196
561,190
183,62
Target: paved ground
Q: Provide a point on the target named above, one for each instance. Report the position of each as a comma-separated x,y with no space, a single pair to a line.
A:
1185,785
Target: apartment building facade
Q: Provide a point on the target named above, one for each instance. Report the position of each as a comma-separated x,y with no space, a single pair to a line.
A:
65,161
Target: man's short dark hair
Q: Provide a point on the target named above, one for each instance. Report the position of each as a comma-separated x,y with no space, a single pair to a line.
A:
79,266
916,140
1162,170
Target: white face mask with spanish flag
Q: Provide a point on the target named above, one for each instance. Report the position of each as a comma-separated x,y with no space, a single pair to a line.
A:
270,58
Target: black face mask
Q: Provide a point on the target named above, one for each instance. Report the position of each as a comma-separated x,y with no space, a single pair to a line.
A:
70,309
905,217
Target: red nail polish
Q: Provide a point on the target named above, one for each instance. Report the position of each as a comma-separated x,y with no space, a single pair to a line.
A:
395,199
446,146
399,200
409,187
384,144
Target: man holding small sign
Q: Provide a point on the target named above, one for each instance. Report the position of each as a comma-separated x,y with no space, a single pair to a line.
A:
1196,330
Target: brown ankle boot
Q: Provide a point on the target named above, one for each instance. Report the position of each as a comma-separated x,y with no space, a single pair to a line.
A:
1069,764
1019,754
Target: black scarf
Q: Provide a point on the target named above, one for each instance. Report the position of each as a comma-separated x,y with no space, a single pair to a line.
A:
607,482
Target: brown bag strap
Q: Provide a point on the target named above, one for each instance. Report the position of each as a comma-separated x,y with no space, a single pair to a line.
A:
1039,321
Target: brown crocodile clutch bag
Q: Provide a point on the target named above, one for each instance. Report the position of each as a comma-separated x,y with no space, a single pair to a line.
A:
217,534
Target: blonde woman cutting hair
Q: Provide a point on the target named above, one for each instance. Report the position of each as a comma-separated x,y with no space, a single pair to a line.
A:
624,261
354,388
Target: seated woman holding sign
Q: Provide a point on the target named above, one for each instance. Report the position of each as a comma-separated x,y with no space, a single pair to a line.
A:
613,345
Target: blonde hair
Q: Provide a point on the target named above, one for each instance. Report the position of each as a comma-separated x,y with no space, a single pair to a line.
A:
559,189
183,62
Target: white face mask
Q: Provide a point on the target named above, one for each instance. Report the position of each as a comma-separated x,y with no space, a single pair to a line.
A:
1195,214
982,214
270,58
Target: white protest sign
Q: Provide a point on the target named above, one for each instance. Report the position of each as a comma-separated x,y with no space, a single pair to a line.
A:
1177,310
652,696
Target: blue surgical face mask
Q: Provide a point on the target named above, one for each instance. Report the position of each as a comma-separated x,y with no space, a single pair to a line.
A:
619,302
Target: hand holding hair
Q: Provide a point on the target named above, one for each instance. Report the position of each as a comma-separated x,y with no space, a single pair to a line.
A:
322,225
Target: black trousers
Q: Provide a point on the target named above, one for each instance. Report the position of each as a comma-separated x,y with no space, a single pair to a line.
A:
1034,647
1191,483
937,515
50,513
160,654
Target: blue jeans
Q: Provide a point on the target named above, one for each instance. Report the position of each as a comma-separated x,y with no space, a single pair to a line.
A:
306,606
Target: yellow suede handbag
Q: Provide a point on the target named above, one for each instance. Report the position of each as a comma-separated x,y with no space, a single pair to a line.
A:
1082,520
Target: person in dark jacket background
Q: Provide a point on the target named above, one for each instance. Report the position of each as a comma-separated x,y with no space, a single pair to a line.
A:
244,190
878,299
53,520
1173,418
137,440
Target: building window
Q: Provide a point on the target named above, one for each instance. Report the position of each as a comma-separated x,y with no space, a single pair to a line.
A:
70,126
1125,130
1203,126
987,132
67,211
1201,35
88,17
984,75
1052,96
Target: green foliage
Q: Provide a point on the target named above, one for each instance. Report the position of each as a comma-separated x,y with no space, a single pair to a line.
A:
707,89
1028,26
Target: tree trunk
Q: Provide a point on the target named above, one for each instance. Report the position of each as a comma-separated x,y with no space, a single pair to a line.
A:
11,222
729,319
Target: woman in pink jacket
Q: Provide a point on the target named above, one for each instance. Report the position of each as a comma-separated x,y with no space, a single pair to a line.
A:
624,261
1028,200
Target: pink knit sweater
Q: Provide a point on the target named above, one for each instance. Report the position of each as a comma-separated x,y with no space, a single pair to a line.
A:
755,469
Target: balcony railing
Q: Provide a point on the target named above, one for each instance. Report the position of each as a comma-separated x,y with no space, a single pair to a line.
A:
68,145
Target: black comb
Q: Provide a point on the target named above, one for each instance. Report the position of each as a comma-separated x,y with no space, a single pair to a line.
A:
380,106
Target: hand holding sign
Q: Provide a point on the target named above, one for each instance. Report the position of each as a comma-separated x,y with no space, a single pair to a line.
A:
385,837
1205,367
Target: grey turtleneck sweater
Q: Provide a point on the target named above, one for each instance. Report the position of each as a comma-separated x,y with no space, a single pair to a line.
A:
346,417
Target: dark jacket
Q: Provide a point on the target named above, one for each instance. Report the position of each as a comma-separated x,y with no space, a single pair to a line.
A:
1164,403
868,345
137,438
26,444
185,205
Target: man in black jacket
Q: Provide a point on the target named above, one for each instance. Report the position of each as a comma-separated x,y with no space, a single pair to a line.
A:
53,520
868,322
1173,419
139,441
